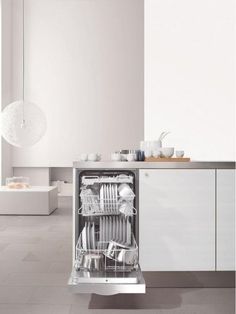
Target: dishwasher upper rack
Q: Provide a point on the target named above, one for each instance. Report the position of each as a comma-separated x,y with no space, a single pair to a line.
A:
90,180
93,205
114,257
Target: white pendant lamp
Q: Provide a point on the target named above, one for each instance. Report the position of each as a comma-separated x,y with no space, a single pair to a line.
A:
23,123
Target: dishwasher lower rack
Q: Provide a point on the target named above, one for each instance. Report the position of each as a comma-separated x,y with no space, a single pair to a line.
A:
115,257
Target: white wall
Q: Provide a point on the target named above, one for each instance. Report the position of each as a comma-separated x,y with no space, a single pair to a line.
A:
84,64
84,68
37,175
190,75
6,82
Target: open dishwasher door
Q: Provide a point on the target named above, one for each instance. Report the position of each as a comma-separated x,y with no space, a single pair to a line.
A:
105,229
105,283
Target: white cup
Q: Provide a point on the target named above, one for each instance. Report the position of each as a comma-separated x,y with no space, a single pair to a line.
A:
155,145
83,157
142,146
156,153
123,157
179,153
148,153
125,190
116,157
126,208
131,157
93,157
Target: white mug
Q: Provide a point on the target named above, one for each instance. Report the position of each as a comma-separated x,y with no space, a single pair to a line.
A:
83,157
125,190
93,157
115,156
126,208
131,157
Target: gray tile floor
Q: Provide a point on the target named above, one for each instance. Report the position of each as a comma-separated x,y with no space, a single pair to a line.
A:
35,262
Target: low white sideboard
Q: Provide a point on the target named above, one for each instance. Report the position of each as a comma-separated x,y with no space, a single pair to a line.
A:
36,200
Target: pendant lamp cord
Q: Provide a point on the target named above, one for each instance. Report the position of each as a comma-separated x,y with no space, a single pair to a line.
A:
23,60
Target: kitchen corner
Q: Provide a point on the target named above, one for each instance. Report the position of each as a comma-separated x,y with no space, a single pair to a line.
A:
117,157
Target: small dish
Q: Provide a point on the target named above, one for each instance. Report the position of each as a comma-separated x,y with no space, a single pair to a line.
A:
167,152
179,153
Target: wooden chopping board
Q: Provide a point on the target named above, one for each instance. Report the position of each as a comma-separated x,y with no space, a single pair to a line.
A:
171,159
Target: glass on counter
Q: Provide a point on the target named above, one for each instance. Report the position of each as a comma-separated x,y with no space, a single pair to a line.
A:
17,183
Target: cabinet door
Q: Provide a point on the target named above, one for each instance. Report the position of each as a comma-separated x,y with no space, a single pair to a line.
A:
177,220
225,219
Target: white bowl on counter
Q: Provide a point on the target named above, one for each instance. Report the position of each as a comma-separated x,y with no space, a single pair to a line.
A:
167,152
116,157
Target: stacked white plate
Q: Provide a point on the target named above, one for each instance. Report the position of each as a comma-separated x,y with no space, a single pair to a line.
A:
114,228
109,199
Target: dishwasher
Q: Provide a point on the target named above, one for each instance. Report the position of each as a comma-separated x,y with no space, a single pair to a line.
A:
105,233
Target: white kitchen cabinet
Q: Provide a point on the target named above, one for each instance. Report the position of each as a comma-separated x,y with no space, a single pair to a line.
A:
225,219
177,219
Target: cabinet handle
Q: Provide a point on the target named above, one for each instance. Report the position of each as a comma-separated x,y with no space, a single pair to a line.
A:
146,174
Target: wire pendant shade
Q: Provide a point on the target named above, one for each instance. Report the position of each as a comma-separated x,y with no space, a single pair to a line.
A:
22,123
19,131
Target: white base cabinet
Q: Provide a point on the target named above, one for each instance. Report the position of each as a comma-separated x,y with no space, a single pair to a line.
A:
177,219
225,219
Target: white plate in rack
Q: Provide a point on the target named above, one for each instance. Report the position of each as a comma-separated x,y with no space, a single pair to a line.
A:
124,230
103,231
110,228
93,242
84,237
114,228
116,198
112,202
100,232
117,229
88,235
110,196
108,199
120,230
104,198
106,228
101,199
128,234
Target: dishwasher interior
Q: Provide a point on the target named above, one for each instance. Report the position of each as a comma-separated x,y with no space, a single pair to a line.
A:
107,226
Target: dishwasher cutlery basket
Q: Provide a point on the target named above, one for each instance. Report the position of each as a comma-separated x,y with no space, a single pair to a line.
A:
115,257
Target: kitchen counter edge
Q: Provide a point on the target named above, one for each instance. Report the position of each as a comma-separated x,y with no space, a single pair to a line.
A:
154,165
